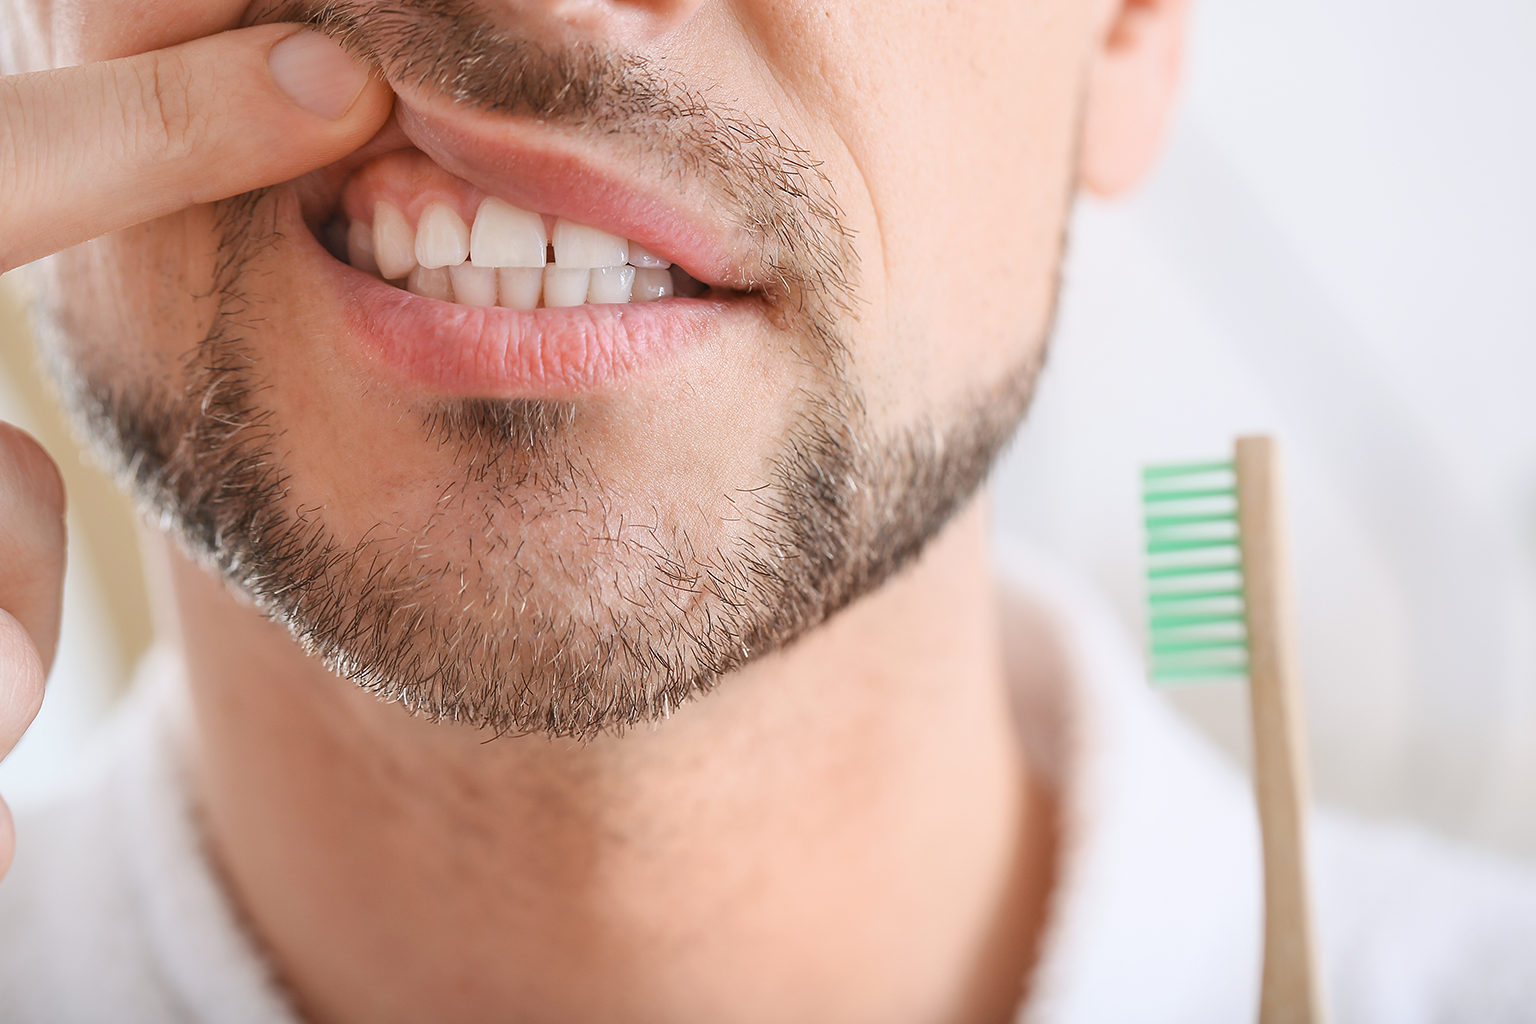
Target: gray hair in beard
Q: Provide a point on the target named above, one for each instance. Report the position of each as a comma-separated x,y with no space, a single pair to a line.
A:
843,510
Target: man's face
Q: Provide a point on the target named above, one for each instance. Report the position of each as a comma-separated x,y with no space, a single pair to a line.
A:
572,518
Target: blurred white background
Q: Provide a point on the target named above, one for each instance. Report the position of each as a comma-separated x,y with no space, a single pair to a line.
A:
1339,247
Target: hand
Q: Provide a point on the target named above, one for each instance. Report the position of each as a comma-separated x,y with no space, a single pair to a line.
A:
31,588
88,150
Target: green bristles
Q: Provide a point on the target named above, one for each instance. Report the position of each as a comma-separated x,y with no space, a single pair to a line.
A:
1195,611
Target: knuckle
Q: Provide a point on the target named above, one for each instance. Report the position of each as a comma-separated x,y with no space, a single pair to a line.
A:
161,105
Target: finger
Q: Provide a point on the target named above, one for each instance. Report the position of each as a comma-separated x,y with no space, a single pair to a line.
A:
32,544
21,694
22,677
32,541
88,150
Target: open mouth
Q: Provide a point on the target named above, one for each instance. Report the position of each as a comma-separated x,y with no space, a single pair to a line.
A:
404,220
482,262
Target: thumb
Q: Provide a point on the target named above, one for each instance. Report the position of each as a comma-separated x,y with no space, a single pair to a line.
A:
88,150
31,588
32,553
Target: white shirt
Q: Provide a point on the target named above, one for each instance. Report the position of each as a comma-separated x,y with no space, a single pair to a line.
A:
112,912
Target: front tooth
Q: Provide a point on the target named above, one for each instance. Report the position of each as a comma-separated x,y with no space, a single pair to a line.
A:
640,256
578,247
565,286
442,237
652,284
473,286
505,236
394,243
431,282
360,247
519,287
610,284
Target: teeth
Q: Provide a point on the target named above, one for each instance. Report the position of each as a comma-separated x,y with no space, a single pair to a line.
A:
394,243
505,259
505,236
519,287
431,282
360,248
473,286
564,286
640,256
578,247
442,237
652,284
610,284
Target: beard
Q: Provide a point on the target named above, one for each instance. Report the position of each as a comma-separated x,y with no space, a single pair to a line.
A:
533,597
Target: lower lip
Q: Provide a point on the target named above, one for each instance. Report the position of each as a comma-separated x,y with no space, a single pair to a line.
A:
489,352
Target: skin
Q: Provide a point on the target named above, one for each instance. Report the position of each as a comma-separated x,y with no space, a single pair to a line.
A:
765,853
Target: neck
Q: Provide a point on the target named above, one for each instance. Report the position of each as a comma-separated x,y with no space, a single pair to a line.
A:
845,830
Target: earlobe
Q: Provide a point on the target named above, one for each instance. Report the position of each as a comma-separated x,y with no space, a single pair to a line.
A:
1130,90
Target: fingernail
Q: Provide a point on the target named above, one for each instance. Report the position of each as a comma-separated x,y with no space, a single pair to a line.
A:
317,73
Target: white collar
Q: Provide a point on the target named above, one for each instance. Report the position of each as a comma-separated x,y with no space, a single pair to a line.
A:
1157,914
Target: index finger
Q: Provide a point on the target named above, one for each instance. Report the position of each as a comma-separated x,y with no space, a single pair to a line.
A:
88,150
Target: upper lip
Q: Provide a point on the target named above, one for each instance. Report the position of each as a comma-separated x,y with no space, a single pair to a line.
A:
558,171
588,178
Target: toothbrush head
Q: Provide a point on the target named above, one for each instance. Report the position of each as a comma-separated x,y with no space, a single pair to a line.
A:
1195,607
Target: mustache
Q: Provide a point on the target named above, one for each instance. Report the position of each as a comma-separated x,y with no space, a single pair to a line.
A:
456,48
755,174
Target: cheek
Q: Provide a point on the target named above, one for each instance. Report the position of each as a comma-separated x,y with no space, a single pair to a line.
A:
973,212
131,305
961,131
85,31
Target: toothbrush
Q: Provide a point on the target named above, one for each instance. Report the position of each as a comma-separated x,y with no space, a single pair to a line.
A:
1219,606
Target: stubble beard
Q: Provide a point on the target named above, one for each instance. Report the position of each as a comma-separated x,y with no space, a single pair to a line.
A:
478,616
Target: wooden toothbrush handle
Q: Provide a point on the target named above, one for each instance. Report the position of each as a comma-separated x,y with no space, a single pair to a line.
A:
1290,992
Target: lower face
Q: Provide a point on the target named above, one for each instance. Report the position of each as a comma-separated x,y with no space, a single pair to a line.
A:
548,419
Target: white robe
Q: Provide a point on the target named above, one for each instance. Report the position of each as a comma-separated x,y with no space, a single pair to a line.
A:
112,913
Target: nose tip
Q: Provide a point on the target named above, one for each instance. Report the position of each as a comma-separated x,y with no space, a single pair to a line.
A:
627,22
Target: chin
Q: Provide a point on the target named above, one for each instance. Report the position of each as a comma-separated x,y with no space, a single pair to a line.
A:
514,435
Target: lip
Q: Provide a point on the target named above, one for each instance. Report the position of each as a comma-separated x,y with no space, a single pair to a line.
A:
448,349
451,349
551,169
560,172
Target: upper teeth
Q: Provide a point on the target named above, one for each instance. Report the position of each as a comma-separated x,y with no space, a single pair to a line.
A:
578,247
503,258
505,236
394,242
442,237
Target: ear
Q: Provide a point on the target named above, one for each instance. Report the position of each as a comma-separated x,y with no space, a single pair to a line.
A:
1131,86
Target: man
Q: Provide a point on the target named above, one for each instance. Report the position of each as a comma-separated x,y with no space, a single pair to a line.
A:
574,584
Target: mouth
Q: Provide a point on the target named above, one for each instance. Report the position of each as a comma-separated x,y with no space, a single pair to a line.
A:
476,256
406,221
